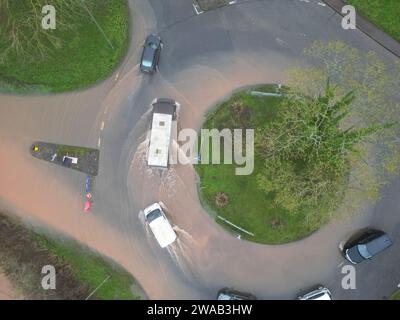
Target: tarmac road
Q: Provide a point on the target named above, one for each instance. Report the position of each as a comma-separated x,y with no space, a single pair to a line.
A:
205,57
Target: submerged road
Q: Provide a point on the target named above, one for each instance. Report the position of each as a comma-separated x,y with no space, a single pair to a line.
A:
205,57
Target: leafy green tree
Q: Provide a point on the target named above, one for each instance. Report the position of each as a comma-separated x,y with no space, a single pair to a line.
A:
306,150
376,80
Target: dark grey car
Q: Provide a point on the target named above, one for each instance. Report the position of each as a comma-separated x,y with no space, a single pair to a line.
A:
365,244
151,54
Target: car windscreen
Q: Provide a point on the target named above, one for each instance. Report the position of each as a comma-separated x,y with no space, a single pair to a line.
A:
153,45
153,215
362,249
147,63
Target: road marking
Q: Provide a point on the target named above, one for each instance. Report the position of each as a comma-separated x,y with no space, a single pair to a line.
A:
98,287
197,8
102,126
281,42
340,264
234,225
322,4
99,142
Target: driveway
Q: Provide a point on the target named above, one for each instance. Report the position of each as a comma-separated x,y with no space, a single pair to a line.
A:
205,57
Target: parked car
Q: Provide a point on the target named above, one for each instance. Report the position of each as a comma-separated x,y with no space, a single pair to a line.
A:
159,225
321,293
230,294
365,244
151,54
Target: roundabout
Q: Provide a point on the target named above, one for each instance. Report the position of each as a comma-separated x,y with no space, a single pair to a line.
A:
236,201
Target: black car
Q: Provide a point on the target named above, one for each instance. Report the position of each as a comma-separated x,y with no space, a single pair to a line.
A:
151,54
230,294
365,244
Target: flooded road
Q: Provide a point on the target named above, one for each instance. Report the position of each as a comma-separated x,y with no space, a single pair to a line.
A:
204,59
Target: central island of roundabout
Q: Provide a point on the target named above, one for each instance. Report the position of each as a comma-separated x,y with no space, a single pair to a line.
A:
302,162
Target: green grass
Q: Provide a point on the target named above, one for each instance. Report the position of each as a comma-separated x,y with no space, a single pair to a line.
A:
92,270
79,271
396,295
83,58
71,150
248,207
383,13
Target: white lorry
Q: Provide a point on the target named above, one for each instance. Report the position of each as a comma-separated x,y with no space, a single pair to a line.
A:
159,225
164,113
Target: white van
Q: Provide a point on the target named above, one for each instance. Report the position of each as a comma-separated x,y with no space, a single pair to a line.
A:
164,114
159,225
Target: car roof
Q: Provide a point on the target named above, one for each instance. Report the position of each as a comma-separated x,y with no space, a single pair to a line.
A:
163,231
148,53
378,244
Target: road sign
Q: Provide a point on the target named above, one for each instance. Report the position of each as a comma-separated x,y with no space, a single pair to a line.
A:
88,183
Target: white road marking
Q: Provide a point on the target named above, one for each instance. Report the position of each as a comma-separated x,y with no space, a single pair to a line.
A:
197,9
281,42
102,126
322,4
340,264
99,142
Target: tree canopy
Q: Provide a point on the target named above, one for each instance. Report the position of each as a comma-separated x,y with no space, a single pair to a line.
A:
307,148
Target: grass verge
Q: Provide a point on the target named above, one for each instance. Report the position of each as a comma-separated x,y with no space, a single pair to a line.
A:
384,14
396,295
92,270
82,55
248,207
79,271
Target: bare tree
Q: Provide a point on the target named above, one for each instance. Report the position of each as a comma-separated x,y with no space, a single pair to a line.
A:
21,31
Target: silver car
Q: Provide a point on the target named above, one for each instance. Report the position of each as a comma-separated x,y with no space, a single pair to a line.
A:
321,293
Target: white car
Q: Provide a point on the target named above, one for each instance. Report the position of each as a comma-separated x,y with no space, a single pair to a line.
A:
159,225
321,293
